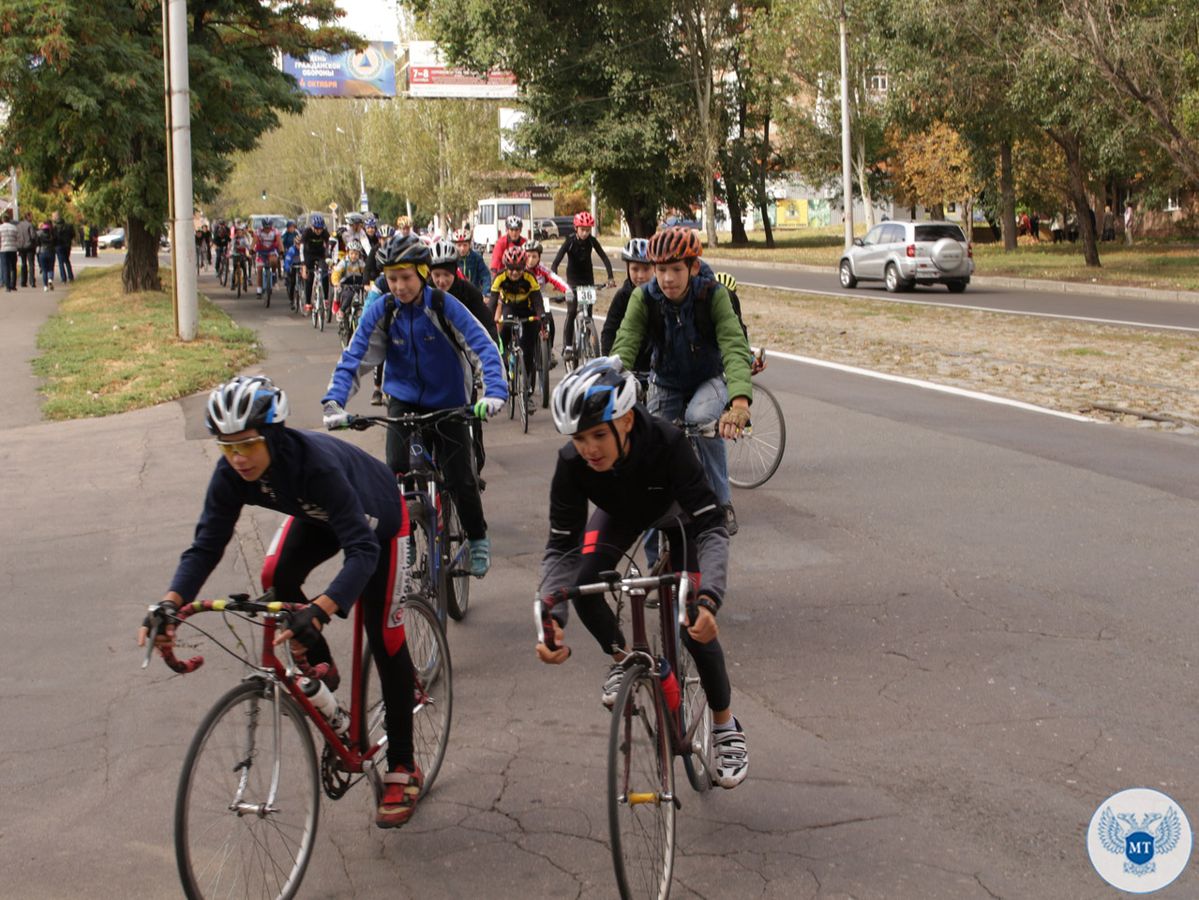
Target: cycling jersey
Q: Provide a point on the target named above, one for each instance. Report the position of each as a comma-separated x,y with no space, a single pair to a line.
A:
316,478
313,245
578,260
289,239
497,254
544,276
266,240
349,269
522,291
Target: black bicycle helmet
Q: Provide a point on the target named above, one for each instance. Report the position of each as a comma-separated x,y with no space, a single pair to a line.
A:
403,250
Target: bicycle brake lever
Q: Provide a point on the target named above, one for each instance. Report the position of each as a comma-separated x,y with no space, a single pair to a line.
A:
151,638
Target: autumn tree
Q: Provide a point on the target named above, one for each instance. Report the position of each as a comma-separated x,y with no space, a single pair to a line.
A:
937,168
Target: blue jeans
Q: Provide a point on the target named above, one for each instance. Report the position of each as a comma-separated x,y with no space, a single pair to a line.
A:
65,272
704,405
45,259
8,269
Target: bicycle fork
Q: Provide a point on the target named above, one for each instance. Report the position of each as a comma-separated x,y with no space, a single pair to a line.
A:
239,806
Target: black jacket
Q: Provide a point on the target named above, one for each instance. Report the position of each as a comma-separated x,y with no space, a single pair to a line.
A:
612,319
64,234
578,260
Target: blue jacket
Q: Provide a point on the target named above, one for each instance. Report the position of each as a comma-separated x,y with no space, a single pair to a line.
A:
314,477
426,364
474,267
289,258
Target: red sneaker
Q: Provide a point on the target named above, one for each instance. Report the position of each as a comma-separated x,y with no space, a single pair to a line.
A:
401,790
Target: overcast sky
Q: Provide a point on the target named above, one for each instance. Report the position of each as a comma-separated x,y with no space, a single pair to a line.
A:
375,20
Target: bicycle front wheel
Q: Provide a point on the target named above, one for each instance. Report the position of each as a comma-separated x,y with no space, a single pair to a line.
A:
756,455
456,561
589,344
543,372
422,569
641,808
249,797
522,390
267,284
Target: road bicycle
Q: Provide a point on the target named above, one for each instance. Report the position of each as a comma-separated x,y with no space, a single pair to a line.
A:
248,801
661,711
439,552
520,391
321,311
350,314
241,274
586,344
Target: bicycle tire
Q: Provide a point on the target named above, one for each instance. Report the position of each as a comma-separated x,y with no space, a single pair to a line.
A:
205,795
590,341
268,283
754,457
453,538
238,278
641,808
433,706
511,373
698,762
543,371
522,389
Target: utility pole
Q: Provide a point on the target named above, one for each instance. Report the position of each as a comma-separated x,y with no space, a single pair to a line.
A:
846,179
183,248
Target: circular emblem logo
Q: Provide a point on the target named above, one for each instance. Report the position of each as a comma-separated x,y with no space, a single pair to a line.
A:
1139,840
366,64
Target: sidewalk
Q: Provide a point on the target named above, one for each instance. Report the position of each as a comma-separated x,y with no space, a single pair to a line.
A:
24,312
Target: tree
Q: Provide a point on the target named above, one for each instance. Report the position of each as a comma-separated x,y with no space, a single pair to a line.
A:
83,82
936,168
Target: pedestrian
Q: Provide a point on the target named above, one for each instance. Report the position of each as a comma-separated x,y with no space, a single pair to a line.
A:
1109,224
1129,221
1057,228
64,235
45,254
8,252
1072,227
1034,224
26,239
95,241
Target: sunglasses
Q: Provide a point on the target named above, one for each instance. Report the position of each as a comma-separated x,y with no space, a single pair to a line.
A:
240,448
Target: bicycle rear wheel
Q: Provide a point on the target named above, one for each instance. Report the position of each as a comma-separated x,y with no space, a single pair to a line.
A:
543,371
756,455
239,278
228,842
268,282
456,561
422,572
433,704
641,808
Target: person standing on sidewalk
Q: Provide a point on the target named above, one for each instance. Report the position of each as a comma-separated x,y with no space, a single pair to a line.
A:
8,252
26,237
64,235
45,254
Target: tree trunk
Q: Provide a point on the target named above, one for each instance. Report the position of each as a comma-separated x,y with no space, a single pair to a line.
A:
1077,190
859,167
641,219
763,200
734,168
967,218
1007,196
140,272
732,195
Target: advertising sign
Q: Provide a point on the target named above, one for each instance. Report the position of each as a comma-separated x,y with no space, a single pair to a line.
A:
429,76
355,73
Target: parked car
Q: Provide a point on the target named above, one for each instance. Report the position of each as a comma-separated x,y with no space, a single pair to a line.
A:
671,221
544,229
114,239
904,254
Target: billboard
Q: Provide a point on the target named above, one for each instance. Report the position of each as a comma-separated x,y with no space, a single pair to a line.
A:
355,73
429,76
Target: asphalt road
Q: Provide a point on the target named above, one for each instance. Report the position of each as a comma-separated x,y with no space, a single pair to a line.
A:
953,630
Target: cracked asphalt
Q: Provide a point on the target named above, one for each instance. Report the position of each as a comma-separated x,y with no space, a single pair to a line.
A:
953,629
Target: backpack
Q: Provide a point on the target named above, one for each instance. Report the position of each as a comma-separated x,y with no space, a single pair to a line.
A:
704,323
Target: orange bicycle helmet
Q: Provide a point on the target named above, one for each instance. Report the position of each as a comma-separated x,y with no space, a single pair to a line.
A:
675,244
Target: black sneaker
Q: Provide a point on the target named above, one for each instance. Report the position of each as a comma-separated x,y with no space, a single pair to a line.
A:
730,519
377,398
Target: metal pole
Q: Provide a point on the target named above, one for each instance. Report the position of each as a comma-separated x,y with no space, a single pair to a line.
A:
594,203
846,179
166,102
181,145
16,209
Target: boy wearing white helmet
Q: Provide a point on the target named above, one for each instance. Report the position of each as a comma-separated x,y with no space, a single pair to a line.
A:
638,471
338,498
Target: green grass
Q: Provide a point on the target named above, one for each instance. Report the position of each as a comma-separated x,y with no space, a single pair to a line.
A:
1150,263
107,352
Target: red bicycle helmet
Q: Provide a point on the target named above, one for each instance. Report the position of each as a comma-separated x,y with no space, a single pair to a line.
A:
515,258
584,219
675,244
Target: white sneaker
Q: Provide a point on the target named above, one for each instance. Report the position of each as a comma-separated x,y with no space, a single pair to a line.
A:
730,758
612,685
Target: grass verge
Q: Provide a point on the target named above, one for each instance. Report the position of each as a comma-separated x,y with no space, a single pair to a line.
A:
106,351
1165,265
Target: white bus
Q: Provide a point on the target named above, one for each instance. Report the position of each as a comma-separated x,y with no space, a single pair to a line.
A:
491,213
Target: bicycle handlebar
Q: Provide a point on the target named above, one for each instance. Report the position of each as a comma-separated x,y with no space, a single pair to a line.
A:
361,423
612,581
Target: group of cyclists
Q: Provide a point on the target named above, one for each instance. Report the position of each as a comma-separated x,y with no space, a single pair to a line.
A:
430,335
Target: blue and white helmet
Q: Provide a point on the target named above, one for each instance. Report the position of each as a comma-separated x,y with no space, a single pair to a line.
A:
248,401
636,250
599,392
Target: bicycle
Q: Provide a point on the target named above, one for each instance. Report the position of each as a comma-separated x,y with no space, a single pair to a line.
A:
267,272
586,339
350,316
248,801
222,265
321,312
439,553
241,274
520,392
653,721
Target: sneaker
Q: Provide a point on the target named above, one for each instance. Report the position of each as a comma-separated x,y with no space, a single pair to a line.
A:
612,685
401,790
480,557
377,398
730,759
730,519
45,288
530,405
568,353
307,308
258,293
553,360
51,285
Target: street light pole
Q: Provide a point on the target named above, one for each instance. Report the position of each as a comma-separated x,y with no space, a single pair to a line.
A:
183,248
846,180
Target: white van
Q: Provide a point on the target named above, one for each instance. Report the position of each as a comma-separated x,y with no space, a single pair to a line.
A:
492,212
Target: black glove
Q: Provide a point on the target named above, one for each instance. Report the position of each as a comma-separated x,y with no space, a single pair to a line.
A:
160,615
302,627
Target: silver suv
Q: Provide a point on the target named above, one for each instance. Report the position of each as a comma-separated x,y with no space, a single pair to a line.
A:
903,254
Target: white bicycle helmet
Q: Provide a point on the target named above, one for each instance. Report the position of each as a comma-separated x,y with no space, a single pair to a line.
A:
354,245
248,401
444,254
513,222
636,250
599,392
462,235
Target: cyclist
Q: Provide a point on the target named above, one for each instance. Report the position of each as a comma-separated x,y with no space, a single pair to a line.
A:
510,238
446,275
349,275
639,472
430,346
291,267
577,249
700,355
314,243
474,269
339,498
373,241
220,240
243,248
639,271
268,248
289,235
404,226
544,276
515,292
355,230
